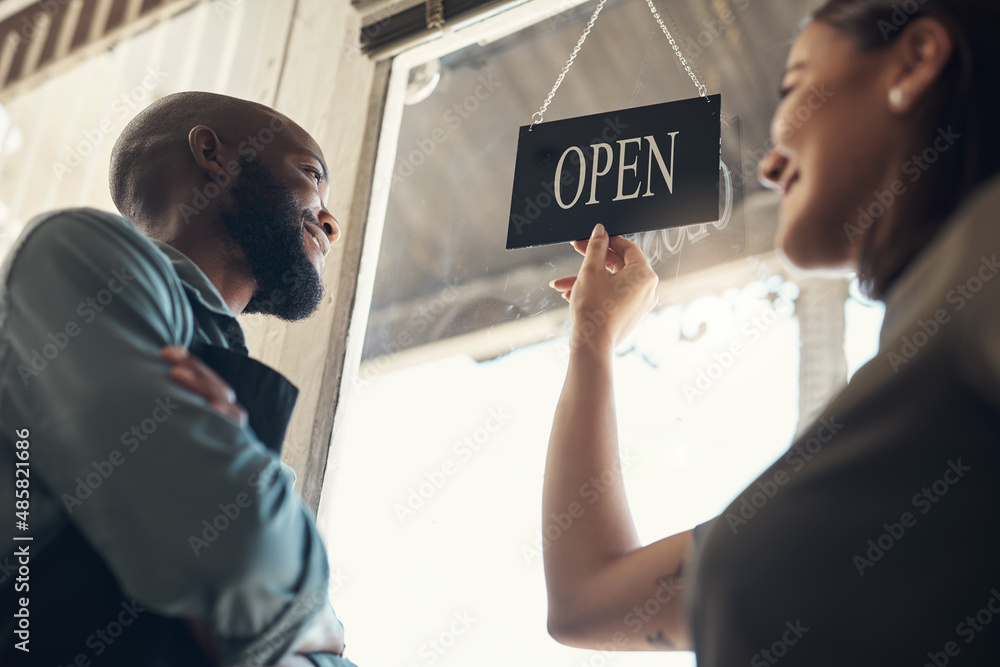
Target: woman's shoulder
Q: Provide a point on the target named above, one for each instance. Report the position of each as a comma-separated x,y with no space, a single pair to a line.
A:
948,300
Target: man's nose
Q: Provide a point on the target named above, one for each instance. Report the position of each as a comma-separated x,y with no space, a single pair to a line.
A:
329,224
771,169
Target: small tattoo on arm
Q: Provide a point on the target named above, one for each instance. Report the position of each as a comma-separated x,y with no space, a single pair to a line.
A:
671,581
659,640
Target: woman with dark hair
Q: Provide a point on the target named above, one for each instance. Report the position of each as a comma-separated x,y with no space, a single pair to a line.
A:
876,544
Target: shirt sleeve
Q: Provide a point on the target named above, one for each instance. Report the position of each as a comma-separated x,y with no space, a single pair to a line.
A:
700,531
190,511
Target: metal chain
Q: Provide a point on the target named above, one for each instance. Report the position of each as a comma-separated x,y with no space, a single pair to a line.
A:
702,90
569,63
539,115
640,82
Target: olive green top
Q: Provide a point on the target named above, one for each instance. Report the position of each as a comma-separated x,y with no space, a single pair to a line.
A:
874,540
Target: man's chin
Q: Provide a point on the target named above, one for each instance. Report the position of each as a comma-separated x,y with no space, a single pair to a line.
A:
286,304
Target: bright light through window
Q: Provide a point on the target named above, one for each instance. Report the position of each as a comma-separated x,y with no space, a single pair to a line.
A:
438,494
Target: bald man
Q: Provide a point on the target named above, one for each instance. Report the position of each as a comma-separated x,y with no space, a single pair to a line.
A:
156,524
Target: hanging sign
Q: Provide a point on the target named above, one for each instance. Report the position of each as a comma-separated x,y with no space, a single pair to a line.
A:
635,170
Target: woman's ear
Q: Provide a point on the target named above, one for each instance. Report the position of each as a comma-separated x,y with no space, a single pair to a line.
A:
923,52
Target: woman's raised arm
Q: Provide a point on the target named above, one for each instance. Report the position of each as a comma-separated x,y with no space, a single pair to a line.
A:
605,589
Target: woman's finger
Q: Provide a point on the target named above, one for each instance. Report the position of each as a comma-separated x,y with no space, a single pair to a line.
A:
597,251
628,251
563,284
614,262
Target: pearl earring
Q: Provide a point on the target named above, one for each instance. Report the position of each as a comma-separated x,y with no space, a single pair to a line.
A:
896,97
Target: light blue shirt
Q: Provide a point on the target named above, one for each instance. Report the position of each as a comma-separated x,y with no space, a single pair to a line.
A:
191,512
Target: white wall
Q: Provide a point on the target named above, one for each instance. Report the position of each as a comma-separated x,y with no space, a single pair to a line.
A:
298,56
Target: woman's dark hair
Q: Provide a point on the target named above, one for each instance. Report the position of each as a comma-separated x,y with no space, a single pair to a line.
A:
966,95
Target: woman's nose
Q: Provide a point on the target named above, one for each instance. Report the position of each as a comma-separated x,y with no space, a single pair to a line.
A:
770,170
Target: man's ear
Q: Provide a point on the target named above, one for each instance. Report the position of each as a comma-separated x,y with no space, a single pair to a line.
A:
923,50
206,149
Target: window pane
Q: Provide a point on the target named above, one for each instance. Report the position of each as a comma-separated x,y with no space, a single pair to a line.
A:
465,351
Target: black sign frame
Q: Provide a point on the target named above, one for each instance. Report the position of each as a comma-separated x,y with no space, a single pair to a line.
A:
634,170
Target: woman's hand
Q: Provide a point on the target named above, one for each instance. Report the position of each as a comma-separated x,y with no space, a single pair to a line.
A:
195,375
614,291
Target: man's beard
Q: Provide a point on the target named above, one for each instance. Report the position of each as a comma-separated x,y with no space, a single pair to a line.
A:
266,221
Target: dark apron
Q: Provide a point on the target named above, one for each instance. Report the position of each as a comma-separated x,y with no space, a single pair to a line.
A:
74,594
